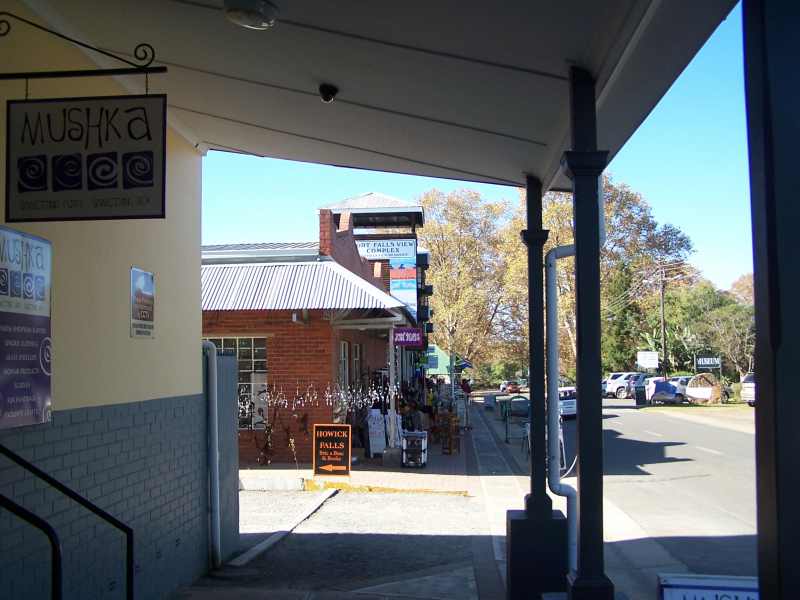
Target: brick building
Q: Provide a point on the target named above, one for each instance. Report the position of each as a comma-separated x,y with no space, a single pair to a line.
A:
306,321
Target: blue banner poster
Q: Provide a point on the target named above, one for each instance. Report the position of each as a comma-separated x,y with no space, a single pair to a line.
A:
25,344
403,282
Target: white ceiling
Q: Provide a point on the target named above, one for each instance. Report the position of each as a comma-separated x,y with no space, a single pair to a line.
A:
464,89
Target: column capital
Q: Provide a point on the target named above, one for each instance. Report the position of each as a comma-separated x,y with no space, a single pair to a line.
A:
536,238
584,164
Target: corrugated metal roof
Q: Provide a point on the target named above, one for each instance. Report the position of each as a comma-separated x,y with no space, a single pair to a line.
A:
319,285
262,246
373,200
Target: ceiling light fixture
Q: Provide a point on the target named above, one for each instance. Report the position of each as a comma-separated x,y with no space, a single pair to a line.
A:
251,14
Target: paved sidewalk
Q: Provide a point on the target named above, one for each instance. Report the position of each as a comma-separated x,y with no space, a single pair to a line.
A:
423,536
632,565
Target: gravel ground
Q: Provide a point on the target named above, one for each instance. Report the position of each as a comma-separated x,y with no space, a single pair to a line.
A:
356,539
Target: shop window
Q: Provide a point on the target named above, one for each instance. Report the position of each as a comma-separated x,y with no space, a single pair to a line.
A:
251,358
356,363
344,360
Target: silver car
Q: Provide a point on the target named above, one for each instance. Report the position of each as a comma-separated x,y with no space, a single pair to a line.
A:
749,389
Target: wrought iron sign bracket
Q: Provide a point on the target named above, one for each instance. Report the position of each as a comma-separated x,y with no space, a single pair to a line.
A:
144,54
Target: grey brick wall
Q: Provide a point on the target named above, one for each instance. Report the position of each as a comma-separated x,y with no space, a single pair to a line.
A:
143,462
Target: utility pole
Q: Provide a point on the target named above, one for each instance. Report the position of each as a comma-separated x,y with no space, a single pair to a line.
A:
663,324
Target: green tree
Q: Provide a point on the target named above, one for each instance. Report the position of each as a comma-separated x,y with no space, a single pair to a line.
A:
634,238
742,289
688,299
622,324
731,330
462,235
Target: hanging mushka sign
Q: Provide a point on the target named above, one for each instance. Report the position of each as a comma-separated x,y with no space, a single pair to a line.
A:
85,158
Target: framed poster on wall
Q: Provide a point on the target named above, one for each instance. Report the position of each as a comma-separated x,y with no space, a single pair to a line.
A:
143,303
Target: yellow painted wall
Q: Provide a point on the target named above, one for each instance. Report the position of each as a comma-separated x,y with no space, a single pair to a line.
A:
95,361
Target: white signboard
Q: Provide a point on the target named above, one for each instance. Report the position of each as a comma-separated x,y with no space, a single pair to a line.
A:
707,587
647,359
85,158
377,432
707,362
388,250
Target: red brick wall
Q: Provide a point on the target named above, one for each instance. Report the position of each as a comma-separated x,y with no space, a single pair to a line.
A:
298,356
339,244
373,350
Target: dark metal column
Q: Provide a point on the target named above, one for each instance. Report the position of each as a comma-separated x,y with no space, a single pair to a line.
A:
584,165
537,503
772,87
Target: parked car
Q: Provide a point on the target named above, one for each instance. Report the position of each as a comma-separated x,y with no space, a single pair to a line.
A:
567,401
680,383
618,387
650,386
504,385
749,389
608,380
635,381
512,387
666,392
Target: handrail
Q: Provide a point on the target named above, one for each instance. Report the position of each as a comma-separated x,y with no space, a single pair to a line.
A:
69,492
56,590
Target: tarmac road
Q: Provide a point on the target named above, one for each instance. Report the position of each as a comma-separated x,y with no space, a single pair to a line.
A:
689,486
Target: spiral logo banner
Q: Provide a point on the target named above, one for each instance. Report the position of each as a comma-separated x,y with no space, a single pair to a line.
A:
25,332
86,158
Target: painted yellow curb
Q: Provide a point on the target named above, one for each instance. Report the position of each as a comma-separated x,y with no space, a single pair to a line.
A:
311,485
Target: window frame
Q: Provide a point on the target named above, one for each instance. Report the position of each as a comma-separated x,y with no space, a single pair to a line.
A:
246,399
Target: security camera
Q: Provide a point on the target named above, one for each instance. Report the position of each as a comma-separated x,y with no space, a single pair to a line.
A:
328,91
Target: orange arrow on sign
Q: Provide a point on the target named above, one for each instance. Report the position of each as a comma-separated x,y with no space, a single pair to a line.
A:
331,468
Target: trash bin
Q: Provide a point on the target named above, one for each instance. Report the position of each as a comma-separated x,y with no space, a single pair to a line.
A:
640,393
489,402
415,448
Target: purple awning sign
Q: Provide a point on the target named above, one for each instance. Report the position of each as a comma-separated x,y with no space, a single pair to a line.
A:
25,344
408,336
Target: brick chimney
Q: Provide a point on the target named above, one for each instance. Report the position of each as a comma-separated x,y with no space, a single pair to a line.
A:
326,232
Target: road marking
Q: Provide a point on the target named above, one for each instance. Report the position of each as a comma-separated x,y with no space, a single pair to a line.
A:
709,450
653,433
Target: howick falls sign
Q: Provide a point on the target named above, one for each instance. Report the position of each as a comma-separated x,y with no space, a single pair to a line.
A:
332,449
86,158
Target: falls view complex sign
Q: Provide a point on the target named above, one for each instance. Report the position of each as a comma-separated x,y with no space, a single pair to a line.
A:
86,158
388,249
332,449
25,344
402,257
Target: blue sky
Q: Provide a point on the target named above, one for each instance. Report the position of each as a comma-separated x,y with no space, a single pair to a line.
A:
688,159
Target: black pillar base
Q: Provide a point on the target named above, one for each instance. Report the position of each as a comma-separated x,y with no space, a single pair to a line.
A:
589,588
536,550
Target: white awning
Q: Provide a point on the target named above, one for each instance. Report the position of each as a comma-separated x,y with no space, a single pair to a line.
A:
464,89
